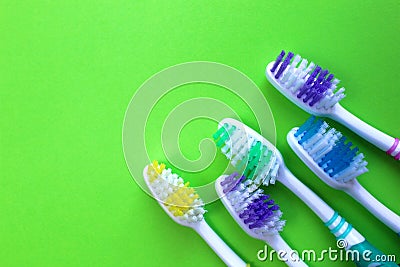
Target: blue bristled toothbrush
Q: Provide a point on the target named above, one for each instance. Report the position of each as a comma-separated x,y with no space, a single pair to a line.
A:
327,153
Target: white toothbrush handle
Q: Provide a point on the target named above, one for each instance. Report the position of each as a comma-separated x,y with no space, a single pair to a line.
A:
341,229
381,140
291,258
323,210
388,217
218,245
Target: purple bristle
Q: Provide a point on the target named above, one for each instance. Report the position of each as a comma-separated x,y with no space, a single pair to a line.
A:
320,93
284,65
278,60
263,197
330,77
309,83
229,179
303,91
315,87
314,74
233,183
322,76
268,214
250,220
275,207
265,215
237,183
244,214
254,208
259,212
270,202
310,95
255,225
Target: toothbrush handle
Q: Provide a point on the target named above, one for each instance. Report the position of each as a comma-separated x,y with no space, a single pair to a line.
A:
362,252
221,249
291,258
366,131
368,255
323,210
388,217
342,230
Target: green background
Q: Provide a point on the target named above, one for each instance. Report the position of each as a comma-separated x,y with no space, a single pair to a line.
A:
68,70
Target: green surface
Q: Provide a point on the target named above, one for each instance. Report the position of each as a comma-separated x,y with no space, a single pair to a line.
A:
68,70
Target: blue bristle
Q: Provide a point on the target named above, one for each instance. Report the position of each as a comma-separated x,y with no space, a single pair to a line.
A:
311,131
305,126
339,158
334,157
337,165
332,154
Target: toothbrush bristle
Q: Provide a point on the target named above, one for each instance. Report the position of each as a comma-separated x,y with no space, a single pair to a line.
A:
181,200
249,156
330,150
307,82
257,210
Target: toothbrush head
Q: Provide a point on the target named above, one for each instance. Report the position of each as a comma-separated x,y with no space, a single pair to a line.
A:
306,84
175,196
327,153
254,211
249,152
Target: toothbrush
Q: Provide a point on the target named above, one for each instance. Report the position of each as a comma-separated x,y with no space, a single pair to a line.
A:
324,150
255,212
315,91
185,207
259,160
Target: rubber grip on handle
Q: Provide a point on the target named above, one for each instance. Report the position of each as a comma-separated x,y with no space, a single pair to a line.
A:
368,254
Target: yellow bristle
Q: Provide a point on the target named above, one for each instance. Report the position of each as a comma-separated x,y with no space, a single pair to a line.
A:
190,201
179,202
158,167
154,170
190,191
172,209
155,164
151,173
178,213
